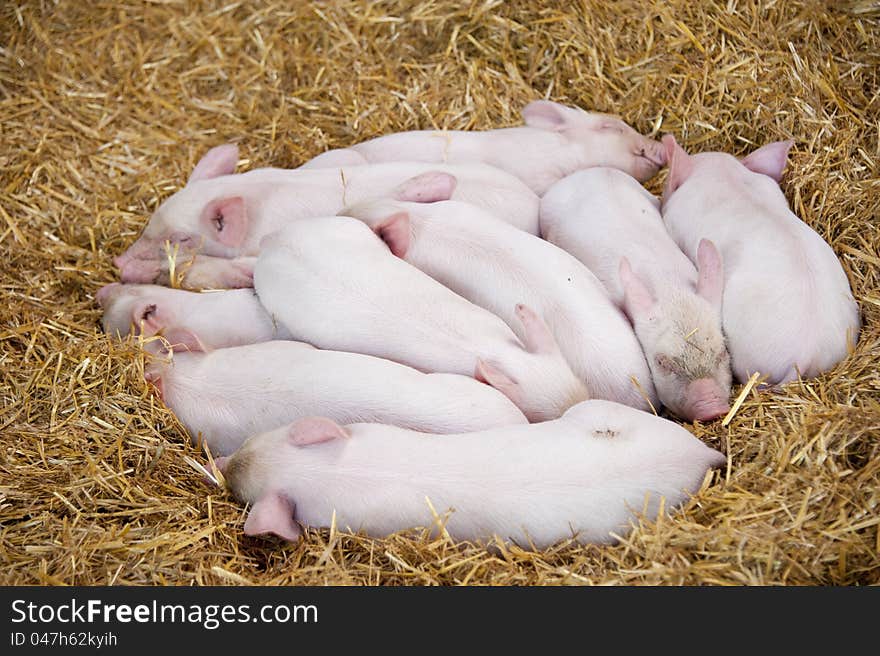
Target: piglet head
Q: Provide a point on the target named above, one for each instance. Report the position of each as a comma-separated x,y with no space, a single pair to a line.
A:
256,473
198,218
606,139
682,339
769,160
147,310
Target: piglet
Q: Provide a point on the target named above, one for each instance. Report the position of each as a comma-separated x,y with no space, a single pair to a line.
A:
612,224
555,141
333,283
496,266
788,308
584,475
231,393
187,320
225,215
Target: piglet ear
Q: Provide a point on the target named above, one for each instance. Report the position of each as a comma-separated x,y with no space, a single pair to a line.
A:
395,231
273,514
428,187
218,161
148,317
710,282
681,165
314,430
537,336
637,299
153,376
181,339
492,375
770,159
226,220
546,115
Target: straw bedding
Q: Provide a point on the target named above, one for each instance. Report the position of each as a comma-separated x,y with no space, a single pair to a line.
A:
105,108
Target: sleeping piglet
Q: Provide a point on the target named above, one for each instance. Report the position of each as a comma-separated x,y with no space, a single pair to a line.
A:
333,283
231,393
496,266
225,215
584,475
788,308
187,320
612,224
555,141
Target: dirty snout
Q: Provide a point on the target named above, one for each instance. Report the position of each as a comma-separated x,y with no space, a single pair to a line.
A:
705,400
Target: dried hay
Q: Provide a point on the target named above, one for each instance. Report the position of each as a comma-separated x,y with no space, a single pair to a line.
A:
106,107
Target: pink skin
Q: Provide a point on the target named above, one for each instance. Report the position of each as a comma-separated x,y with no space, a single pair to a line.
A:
556,141
612,224
221,214
495,266
583,475
788,308
331,282
194,272
230,393
705,400
189,321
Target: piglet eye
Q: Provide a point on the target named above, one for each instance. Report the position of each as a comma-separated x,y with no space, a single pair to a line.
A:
180,238
149,311
218,221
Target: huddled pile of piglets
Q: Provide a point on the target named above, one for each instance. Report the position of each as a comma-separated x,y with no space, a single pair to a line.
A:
476,321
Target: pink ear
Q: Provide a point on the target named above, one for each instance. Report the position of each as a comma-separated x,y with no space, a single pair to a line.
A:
681,165
428,187
220,160
491,375
226,219
770,159
546,115
154,377
273,514
395,231
538,338
181,339
637,299
148,317
314,430
710,283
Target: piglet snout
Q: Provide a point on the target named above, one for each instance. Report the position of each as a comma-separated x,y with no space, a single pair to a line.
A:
107,293
705,400
654,151
139,271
